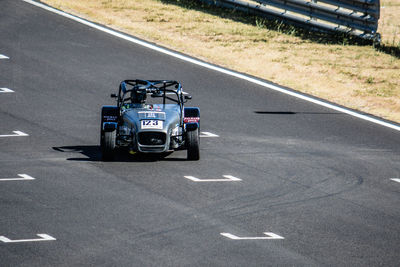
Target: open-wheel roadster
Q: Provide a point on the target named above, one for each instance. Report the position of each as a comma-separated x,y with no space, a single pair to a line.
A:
150,117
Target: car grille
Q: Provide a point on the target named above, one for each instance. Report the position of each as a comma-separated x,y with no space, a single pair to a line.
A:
152,138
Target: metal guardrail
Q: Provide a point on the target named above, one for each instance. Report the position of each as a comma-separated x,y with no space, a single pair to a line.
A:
355,17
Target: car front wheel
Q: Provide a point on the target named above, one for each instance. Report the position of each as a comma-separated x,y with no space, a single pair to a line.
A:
108,145
193,143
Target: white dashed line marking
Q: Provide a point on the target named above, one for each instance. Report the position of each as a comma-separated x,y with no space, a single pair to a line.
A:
269,235
170,93
16,133
6,90
208,134
228,178
3,57
24,177
395,179
44,237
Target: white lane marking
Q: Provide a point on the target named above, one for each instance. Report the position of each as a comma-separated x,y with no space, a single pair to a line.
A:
170,93
216,68
208,134
228,178
6,90
395,179
43,237
3,57
269,235
25,177
16,133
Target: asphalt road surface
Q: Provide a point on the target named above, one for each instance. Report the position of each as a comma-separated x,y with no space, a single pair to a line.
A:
315,184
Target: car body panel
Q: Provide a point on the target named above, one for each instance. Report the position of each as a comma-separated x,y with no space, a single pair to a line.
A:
168,116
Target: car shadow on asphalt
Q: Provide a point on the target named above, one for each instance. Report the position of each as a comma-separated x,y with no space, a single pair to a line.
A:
93,153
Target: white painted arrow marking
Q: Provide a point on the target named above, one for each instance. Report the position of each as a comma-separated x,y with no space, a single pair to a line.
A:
229,178
208,134
269,235
44,237
25,177
3,57
16,133
395,179
6,90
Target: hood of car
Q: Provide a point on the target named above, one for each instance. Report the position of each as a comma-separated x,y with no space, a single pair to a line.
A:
169,114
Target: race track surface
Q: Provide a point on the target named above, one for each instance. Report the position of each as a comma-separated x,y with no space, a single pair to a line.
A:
317,181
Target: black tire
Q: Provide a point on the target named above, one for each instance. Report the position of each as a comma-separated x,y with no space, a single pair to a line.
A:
108,145
193,145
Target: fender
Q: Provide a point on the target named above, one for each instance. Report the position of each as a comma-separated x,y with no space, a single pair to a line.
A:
109,126
191,126
110,114
191,115
109,118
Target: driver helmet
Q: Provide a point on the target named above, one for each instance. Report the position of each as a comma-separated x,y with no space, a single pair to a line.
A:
138,96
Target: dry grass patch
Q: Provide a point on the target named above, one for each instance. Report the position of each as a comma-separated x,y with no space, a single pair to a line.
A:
359,77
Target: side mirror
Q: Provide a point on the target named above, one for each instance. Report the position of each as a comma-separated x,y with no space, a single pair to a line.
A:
113,95
188,97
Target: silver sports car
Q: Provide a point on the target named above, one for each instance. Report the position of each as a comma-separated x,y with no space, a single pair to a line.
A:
150,117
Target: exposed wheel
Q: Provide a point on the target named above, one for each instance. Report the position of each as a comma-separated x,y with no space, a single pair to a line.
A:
108,145
193,144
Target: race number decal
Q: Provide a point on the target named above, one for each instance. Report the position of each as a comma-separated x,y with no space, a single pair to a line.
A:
151,124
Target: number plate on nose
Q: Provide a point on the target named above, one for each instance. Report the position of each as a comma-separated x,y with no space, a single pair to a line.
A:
151,124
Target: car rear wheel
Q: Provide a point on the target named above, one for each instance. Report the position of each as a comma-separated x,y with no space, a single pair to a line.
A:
108,145
193,143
